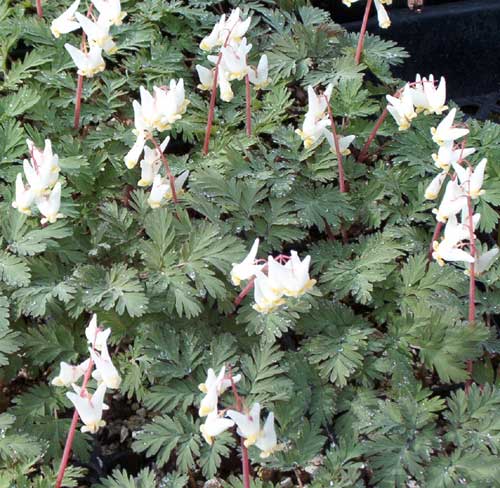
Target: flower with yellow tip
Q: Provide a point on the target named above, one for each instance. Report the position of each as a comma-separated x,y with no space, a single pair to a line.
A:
66,22
382,17
248,267
90,408
267,441
312,131
248,424
88,63
432,191
214,425
445,132
69,374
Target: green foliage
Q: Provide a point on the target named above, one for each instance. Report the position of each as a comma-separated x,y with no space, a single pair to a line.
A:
366,374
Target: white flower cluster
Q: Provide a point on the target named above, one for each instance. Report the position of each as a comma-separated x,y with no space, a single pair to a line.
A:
248,423
228,35
287,276
383,18
417,97
88,406
43,188
157,111
90,62
463,187
316,122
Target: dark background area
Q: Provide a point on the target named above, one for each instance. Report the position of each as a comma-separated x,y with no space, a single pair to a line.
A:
456,39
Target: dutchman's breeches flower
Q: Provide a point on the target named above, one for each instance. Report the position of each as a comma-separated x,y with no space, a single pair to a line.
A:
90,409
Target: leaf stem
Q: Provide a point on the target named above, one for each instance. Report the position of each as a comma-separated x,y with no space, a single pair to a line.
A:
337,147
39,8
78,102
362,32
373,133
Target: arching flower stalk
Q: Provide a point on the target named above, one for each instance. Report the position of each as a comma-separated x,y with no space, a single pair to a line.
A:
383,21
246,420
88,59
39,8
157,112
230,64
273,279
314,129
88,407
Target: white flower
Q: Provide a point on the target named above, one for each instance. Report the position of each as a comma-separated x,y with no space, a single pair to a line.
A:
260,77
69,374
383,19
402,108
248,425
418,96
90,409
111,10
206,77
214,425
447,249
209,402
66,21
24,196
170,104
89,63
472,181
234,60
484,261
266,297
178,185
453,201
432,191
135,152
299,282
344,143
444,132
446,155
317,105
212,40
150,165
267,441
105,371
247,268
279,276
312,131
235,27
97,32
95,336
49,206
348,3
436,97
226,92
160,188
220,382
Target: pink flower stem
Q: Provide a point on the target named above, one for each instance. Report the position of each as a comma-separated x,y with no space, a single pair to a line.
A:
72,429
244,292
373,133
245,463
211,109
435,236
248,105
362,32
39,8
171,178
337,148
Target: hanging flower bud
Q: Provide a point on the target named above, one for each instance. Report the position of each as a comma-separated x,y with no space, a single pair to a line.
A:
150,165
483,262
97,32
344,143
444,132
49,206
135,152
209,402
312,131
248,424
446,155
247,268
317,104
402,108
69,374
105,370
66,22
432,191
260,77
267,441
214,425
383,19
24,196
220,382
95,336
206,77
90,409
89,63
111,10
158,192
266,298
436,97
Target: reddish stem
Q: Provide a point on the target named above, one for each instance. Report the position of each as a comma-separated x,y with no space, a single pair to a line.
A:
337,147
78,102
211,109
39,9
472,282
72,430
435,236
244,292
373,133
171,178
245,463
362,32
248,105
